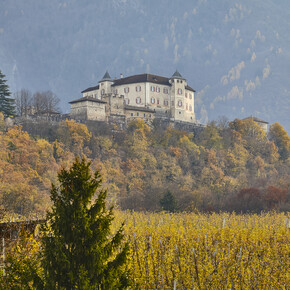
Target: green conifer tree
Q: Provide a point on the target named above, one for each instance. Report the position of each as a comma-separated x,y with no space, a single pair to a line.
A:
79,251
7,105
168,202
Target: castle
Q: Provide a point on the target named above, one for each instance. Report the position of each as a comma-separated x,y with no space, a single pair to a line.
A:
143,96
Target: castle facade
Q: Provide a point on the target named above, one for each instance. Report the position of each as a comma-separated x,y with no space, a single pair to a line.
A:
143,96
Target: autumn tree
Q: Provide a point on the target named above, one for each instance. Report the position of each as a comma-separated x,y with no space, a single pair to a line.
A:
74,135
210,136
23,102
2,122
79,251
45,103
249,200
7,104
275,196
279,136
22,267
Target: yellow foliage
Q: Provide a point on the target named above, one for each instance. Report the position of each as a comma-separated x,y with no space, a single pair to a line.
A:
199,251
2,123
140,127
74,135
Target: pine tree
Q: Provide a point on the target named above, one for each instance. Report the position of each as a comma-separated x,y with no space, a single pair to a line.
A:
7,105
79,251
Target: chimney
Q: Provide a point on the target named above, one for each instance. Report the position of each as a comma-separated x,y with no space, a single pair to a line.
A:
121,75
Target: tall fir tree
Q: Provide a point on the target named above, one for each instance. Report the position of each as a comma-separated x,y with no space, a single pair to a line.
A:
79,252
7,105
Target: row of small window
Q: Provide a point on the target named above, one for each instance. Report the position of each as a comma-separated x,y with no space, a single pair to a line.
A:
153,89
138,101
165,103
188,95
153,101
139,115
138,89
188,107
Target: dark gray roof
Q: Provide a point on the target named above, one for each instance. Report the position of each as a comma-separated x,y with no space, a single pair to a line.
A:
106,77
84,99
255,119
142,109
91,89
177,75
142,78
189,88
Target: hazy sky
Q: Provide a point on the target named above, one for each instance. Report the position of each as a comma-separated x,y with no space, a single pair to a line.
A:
235,54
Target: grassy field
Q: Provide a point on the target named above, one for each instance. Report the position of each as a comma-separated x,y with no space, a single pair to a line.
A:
216,251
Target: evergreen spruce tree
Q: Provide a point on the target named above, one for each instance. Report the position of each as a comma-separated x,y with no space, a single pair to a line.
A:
79,251
7,105
168,202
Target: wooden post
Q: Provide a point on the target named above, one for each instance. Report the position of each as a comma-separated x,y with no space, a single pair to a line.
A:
3,253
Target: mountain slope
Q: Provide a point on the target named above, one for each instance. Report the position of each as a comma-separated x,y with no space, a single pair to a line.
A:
235,54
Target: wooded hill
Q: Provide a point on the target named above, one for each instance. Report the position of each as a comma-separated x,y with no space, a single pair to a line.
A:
228,166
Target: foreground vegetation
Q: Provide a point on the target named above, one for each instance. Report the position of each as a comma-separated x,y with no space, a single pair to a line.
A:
203,251
216,251
75,248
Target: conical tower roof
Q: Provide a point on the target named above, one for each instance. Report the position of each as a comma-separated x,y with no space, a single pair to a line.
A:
106,77
177,75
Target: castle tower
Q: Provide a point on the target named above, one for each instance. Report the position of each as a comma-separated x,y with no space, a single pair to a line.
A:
178,84
105,84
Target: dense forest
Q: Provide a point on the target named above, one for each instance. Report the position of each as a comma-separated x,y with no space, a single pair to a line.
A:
226,166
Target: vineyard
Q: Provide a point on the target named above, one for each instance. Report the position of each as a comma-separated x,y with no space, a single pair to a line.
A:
194,251
217,251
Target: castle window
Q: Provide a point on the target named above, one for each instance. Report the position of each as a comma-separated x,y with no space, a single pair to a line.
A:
152,101
152,89
190,96
115,91
179,103
144,115
157,101
126,90
172,103
186,106
179,113
157,89
137,114
165,103
138,89
127,101
138,100
186,95
181,82
190,108
132,114
102,92
178,81
149,115
179,91
165,90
